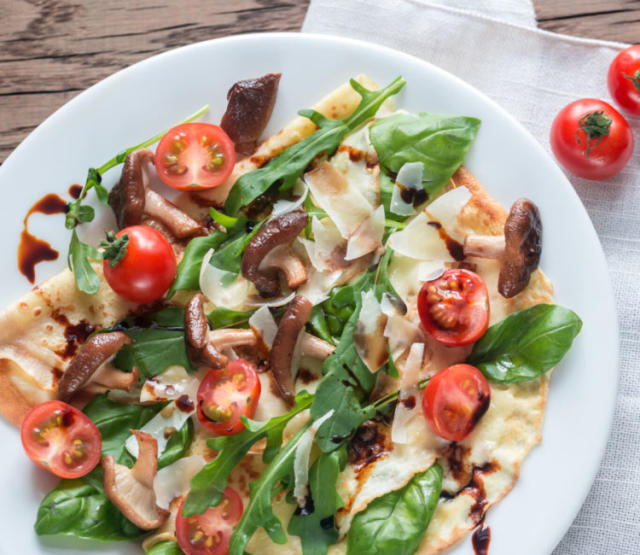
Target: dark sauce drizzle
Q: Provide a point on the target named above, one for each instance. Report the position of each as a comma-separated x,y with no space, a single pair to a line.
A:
31,249
456,250
75,190
480,539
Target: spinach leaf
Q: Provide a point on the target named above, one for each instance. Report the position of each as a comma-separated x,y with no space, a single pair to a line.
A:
168,547
78,260
439,142
526,343
287,166
221,317
396,522
77,508
208,485
259,511
317,530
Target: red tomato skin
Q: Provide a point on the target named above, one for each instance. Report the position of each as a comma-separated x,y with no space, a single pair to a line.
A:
451,411
607,158
252,389
193,157
147,270
474,315
209,522
622,89
72,419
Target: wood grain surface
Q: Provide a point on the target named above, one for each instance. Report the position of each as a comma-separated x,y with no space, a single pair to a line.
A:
50,50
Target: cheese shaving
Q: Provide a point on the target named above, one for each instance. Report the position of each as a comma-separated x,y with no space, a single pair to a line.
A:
232,296
174,480
445,210
263,324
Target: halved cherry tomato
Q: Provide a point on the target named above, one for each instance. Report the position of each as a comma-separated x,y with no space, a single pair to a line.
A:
591,139
226,395
454,400
61,439
454,308
147,269
195,156
624,79
209,533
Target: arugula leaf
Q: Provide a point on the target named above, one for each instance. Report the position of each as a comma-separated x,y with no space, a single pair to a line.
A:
526,343
318,324
208,485
396,522
287,166
221,317
317,529
259,511
439,142
168,547
78,260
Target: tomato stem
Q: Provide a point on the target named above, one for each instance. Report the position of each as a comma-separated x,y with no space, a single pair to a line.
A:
595,125
635,79
115,248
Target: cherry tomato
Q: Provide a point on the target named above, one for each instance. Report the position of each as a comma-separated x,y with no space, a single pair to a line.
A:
624,79
147,269
226,395
454,400
591,139
195,156
61,439
454,308
209,533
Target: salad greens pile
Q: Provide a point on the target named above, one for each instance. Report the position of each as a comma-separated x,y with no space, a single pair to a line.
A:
521,347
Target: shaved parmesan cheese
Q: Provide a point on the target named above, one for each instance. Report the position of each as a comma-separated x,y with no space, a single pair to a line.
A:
263,324
445,210
419,240
368,236
401,332
173,481
367,337
232,296
284,206
404,414
301,460
319,285
272,303
409,177
345,205
326,251
170,384
162,426
411,371
430,269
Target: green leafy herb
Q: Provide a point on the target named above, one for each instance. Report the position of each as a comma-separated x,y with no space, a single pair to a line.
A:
208,485
439,142
221,317
318,324
168,547
78,259
259,511
287,166
396,522
317,529
115,248
526,343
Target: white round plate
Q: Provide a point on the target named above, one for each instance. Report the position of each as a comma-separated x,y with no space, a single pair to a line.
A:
148,97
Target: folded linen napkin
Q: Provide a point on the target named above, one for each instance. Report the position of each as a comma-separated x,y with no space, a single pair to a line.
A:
495,46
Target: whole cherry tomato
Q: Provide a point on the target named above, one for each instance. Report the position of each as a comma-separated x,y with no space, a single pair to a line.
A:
624,79
591,139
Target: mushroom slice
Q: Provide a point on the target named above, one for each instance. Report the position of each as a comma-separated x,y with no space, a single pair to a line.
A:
131,489
231,337
112,378
159,208
127,198
518,250
98,350
283,259
315,347
289,328
279,231
196,325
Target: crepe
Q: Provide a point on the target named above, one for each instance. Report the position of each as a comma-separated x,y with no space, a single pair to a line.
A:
36,346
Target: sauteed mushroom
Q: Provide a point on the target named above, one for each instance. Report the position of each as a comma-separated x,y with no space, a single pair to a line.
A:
131,489
91,357
279,231
518,249
197,328
250,103
290,326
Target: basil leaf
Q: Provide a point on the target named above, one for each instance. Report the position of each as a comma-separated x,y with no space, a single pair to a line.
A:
208,485
287,166
259,511
79,255
439,142
317,529
168,547
526,343
396,522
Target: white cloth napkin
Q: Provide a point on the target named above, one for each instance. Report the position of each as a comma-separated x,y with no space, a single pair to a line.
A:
495,46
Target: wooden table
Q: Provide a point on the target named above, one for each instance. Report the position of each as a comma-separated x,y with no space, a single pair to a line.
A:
50,50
